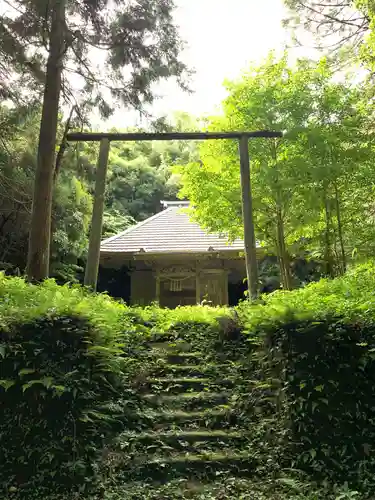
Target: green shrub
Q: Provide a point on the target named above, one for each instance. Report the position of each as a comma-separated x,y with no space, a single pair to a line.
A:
318,346
351,297
63,387
328,368
302,366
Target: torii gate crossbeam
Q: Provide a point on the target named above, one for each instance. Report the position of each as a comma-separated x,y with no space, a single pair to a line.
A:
105,138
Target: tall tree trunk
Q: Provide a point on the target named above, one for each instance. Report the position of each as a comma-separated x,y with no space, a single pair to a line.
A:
63,144
336,255
57,167
284,261
280,261
283,257
339,228
327,236
40,229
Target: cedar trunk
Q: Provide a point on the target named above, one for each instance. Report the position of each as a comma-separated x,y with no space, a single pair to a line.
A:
282,253
40,229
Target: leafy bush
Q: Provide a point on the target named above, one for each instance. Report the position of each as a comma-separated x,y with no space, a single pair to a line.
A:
302,364
63,378
69,365
328,369
318,346
351,297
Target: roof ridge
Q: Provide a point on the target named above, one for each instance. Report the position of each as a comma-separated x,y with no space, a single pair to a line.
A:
174,233
136,226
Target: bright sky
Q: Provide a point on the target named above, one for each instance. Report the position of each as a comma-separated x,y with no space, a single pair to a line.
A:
222,38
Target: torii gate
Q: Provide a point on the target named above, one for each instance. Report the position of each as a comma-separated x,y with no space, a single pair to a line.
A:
92,265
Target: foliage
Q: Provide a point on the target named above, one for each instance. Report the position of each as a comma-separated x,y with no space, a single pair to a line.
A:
70,224
343,29
300,363
139,177
318,343
63,385
313,190
136,45
339,26
328,370
44,43
72,202
349,297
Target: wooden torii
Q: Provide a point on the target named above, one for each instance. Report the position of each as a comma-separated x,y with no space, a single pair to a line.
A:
92,266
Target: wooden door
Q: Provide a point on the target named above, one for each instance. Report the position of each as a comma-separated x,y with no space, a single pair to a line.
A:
212,288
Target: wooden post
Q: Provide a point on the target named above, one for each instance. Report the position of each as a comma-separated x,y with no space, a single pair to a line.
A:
157,287
225,289
197,286
93,257
247,213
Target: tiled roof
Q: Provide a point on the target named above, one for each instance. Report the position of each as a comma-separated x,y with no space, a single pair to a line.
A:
169,231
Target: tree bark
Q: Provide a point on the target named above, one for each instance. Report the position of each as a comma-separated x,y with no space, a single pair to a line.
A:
284,261
339,229
63,145
283,257
280,262
40,229
327,236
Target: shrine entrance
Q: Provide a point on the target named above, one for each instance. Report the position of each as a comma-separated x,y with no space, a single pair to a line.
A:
215,288
187,287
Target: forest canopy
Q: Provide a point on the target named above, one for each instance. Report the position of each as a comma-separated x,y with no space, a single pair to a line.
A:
139,177
313,190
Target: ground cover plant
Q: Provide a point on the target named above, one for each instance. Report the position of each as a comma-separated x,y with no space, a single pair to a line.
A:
274,400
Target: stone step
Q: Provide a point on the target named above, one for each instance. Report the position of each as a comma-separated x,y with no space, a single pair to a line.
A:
190,371
162,337
204,465
185,358
220,418
187,436
167,446
178,385
188,400
199,371
168,346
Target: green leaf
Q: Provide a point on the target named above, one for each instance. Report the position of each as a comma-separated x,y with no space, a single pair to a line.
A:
6,384
26,371
46,382
59,389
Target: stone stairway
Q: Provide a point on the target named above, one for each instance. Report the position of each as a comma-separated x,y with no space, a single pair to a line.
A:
190,431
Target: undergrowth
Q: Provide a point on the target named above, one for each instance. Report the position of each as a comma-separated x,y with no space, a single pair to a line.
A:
74,364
